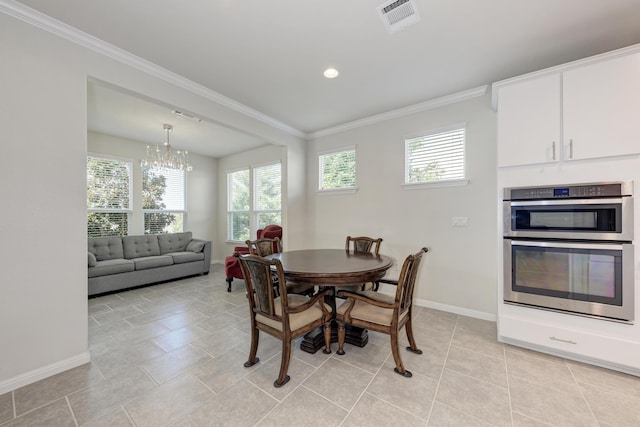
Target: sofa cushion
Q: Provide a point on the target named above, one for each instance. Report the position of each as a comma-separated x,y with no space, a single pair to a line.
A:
173,242
111,266
147,262
195,246
140,246
105,248
92,260
186,256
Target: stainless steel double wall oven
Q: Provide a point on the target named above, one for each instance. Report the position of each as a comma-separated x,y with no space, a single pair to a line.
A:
570,248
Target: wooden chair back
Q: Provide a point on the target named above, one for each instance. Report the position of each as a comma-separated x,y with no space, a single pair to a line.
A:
407,280
265,246
263,285
363,244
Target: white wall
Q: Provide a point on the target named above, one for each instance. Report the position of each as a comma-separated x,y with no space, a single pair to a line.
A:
43,285
43,277
202,191
459,272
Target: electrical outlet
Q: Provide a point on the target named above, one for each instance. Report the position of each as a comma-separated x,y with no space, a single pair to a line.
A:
459,221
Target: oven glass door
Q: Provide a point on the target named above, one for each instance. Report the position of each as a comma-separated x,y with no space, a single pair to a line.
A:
577,219
588,278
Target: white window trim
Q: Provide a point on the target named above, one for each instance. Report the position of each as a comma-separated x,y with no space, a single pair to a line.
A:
436,184
441,183
252,212
333,191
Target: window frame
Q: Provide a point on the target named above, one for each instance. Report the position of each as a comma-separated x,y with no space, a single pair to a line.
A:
436,182
182,211
127,211
252,213
340,190
254,186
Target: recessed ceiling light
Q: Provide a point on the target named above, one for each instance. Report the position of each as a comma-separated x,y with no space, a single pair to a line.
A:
331,73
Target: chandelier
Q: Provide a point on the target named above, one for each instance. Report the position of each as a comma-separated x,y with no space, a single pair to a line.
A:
165,157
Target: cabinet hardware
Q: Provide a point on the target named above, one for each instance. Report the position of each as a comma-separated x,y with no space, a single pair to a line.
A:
561,340
571,148
554,151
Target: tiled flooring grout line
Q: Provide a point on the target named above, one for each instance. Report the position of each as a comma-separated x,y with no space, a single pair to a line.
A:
373,377
444,365
506,370
73,415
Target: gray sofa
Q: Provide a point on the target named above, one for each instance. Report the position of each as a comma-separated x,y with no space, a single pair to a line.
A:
125,262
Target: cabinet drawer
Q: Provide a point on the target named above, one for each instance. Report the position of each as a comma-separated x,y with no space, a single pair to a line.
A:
585,346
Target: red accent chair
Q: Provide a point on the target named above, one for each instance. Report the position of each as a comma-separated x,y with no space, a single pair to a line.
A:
232,267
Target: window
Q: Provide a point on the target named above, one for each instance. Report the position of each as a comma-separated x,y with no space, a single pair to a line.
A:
254,200
337,170
239,196
108,196
268,195
438,156
163,200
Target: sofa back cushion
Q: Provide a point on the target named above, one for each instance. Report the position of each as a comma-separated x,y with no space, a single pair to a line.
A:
140,246
174,242
105,248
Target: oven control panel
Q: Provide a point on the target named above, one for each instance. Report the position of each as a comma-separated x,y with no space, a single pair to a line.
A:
575,191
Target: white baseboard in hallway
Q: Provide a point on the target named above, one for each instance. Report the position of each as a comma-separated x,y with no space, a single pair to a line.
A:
44,372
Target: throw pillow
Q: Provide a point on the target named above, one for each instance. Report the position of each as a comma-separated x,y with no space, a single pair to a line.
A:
92,260
195,246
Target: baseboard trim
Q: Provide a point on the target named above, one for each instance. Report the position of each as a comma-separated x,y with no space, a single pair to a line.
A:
456,310
44,372
571,356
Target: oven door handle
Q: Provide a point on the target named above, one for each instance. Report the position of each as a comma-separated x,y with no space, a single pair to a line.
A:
567,202
574,245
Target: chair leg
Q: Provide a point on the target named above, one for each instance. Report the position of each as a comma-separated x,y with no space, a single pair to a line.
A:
327,337
341,335
229,280
412,342
255,337
399,369
283,378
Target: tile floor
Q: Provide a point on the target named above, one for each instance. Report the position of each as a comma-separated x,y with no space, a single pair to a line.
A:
172,354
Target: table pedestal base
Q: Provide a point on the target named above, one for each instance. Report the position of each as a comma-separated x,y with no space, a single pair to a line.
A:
314,340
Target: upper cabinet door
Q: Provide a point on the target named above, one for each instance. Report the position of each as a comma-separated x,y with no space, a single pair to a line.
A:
529,121
602,109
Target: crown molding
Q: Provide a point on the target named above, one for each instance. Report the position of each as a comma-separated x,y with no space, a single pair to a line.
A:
58,28
404,111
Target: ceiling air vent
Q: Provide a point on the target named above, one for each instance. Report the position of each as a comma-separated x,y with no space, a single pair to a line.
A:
398,14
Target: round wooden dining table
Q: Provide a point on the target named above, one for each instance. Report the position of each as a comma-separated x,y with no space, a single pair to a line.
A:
330,268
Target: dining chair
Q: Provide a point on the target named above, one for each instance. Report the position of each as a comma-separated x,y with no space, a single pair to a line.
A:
366,245
363,244
384,313
282,316
232,268
264,247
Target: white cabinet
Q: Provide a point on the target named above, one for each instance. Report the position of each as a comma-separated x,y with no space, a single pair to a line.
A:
529,122
582,113
601,107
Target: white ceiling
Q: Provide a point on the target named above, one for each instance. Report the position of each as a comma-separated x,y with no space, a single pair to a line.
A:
269,55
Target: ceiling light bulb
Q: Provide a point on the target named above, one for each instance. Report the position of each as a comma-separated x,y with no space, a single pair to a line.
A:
331,73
